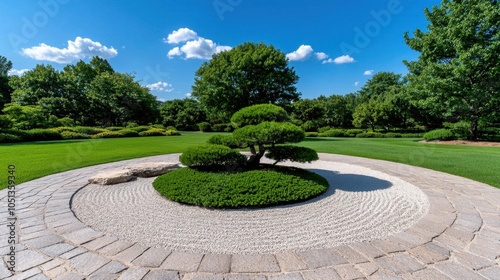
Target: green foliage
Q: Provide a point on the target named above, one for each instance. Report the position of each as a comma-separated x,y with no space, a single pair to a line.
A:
461,130
308,110
131,125
172,133
171,128
312,134
292,153
63,128
9,138
333,133
25,117
66,121
153,132
392,135
89,130
140,128
205,127
128,132
324,129
212,157
370,135
223,127
269,133
225,140
246,75
42,135
259,113
184,114
107,134
114,128
310,126
458,69
338,109
354,132
257,188
74,135
439,134
5,122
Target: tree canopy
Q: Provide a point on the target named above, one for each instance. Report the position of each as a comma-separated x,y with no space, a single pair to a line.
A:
458,71
248,74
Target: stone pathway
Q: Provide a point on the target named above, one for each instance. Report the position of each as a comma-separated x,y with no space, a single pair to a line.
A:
458,239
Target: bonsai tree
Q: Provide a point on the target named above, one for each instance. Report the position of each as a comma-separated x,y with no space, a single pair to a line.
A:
262,128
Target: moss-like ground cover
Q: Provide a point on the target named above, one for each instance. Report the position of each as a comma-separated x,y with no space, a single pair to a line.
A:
272,185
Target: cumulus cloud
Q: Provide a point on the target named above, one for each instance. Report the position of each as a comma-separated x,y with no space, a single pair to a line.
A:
193,46
188,95
368,72
356,84
181,35
79,49
16,72
160,86
340,60
321,55
302,53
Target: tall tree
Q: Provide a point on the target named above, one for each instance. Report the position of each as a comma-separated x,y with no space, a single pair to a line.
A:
458,71
380,83
246,75
5,89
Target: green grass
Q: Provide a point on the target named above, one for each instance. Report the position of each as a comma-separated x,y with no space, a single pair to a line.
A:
276,185
37,159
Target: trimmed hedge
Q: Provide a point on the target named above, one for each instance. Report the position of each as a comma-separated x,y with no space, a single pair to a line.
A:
292,153
172,133
333,133
204,127
114,128
370,135
439,134
224,140
42,135
140,128
127,132
89,130
74,135
212,157
63,129
312,134
152,132
9,138
256,114
353,132
223,127
107,134
256,188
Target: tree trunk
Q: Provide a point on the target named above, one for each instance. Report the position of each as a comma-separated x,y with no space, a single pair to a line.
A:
254,161
474,130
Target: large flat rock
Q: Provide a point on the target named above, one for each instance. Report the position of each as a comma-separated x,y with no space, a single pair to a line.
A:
112,177
151,169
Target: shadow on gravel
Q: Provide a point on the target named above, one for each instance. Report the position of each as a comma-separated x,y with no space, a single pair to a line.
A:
352,182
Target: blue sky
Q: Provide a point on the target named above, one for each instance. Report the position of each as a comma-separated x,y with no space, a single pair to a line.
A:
334,46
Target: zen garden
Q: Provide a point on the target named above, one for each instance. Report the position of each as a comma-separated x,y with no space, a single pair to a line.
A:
246,179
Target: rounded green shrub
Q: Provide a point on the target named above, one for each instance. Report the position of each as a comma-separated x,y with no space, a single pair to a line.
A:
42,135
412,135
107,134
22,134
9,138
140,128
353,132
257,114
370,135
333,133
61,129
204,127
5,122
127,132
171,127
256,188
172,133
392,135
439,134
224,140
66,121
292,153
212,157
270,132
309,126
114,128
74,135
223,127
312,134
324,129
152,132
89,130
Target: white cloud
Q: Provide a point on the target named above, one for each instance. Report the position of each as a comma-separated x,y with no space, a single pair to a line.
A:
340,60
188,95
368,72
78,49
181,35
302,53
161,99
356,84
174,52
160,86
321,55
15,72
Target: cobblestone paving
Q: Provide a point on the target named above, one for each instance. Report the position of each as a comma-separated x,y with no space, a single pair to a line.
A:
459,238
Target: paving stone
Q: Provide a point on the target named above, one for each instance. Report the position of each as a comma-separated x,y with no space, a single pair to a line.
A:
286,276
290,262
58,271
254,263
26,274
51,264
413,239
28,259
57,249
459,234
457,271
321,258
162,274
73,253
131,253
134,273
367,250
109,271
387,246
39,276
430,253
367,268
426,274
153,257
4,270
100,242
70,276
399,263
202,276
182,261
321,274
491,273
69,228
348,272
37,234
380,275
115,247
450,243
215,263
33,229
472,261
244,277
82,235
351,255
87,263
431,226
487,250
43,241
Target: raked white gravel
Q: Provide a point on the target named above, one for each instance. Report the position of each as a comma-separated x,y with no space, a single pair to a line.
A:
360,205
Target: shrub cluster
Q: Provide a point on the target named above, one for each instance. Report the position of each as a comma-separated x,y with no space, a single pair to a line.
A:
224,140
292,153
107,134
127,132
9,138
205,127
360,133
74,135
42,135
223,127
153,132
439,134
212,156
256,188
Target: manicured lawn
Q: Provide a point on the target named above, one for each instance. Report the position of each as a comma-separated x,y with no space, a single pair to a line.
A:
34,160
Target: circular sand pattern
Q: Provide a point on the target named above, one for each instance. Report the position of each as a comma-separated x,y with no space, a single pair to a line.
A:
360,205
